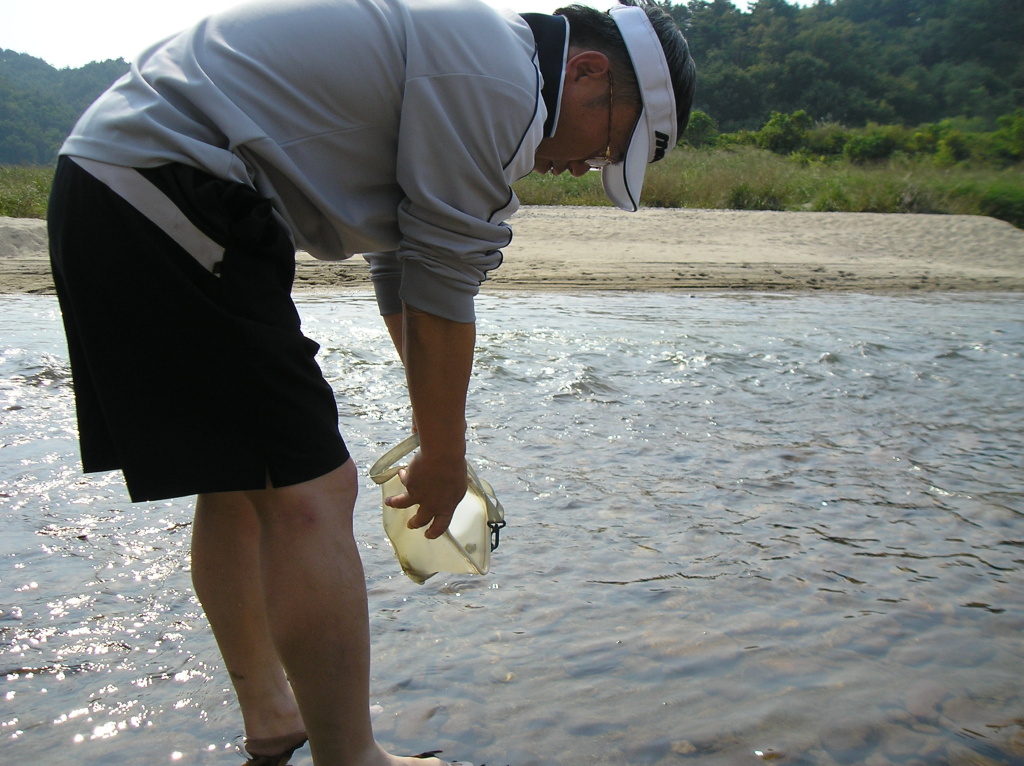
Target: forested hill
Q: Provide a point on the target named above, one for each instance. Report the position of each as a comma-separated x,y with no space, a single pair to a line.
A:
39,104
846,61
856,61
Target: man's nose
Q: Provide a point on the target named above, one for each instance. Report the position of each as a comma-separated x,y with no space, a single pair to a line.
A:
578,168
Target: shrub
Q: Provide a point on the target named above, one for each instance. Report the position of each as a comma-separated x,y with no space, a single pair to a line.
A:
24,190
952,148
826,139
701,131
1004,201
923,141
784,133
877,142
864,148
1008,140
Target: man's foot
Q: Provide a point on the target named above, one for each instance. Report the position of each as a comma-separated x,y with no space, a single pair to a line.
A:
274,751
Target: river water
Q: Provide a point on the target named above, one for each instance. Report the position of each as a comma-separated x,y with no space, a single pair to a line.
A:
742,529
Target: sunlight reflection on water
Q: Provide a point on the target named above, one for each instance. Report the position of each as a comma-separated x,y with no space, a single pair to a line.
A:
786,525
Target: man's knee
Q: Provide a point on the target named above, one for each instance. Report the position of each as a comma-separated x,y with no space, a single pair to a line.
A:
326,499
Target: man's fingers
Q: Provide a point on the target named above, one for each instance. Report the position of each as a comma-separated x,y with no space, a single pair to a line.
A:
403,500
438,527
438,524
421,518
444,496
398,501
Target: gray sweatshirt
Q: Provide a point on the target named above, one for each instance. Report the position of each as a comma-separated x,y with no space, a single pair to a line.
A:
393,127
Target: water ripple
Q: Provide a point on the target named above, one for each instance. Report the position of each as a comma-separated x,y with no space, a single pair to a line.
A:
742,528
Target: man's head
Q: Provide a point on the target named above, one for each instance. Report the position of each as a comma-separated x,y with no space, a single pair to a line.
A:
627,96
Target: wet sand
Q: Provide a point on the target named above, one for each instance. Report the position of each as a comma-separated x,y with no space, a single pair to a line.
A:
586,248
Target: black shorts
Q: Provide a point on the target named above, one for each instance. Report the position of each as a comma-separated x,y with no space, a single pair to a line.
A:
187,380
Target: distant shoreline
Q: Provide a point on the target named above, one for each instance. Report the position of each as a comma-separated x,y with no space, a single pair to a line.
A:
599,248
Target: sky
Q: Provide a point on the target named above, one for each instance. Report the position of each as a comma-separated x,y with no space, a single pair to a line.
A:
71,33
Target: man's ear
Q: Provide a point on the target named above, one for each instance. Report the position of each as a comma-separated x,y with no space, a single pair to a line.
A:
583,64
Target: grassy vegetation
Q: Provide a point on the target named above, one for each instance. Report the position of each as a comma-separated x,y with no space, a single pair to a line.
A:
24,190
791,163
747,178
737,177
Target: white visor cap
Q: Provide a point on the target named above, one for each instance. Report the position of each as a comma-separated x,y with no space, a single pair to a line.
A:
655,133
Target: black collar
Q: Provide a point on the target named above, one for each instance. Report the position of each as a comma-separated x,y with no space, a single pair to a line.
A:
551,33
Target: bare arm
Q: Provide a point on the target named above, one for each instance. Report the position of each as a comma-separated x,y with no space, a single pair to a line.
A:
438,357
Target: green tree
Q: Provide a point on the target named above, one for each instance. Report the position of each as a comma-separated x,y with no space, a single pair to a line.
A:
785,133
1008,140
702,130
857,61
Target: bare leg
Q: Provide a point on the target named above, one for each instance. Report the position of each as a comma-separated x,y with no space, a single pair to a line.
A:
227,580
316,602
313,610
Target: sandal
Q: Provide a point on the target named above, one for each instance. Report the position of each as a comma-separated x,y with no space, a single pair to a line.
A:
436,754
273,751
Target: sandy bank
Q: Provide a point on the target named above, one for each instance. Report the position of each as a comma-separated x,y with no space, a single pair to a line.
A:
565,248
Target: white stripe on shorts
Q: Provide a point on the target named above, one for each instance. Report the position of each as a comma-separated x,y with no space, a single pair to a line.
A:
138,192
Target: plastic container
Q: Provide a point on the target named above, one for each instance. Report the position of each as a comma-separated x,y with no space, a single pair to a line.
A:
464,548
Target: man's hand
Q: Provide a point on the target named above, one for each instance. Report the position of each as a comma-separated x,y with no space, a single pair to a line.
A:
437,486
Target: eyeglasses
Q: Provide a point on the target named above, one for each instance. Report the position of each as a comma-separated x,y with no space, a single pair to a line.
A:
606,160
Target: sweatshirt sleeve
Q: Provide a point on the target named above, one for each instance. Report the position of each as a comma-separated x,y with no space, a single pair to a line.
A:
386,275
463,140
